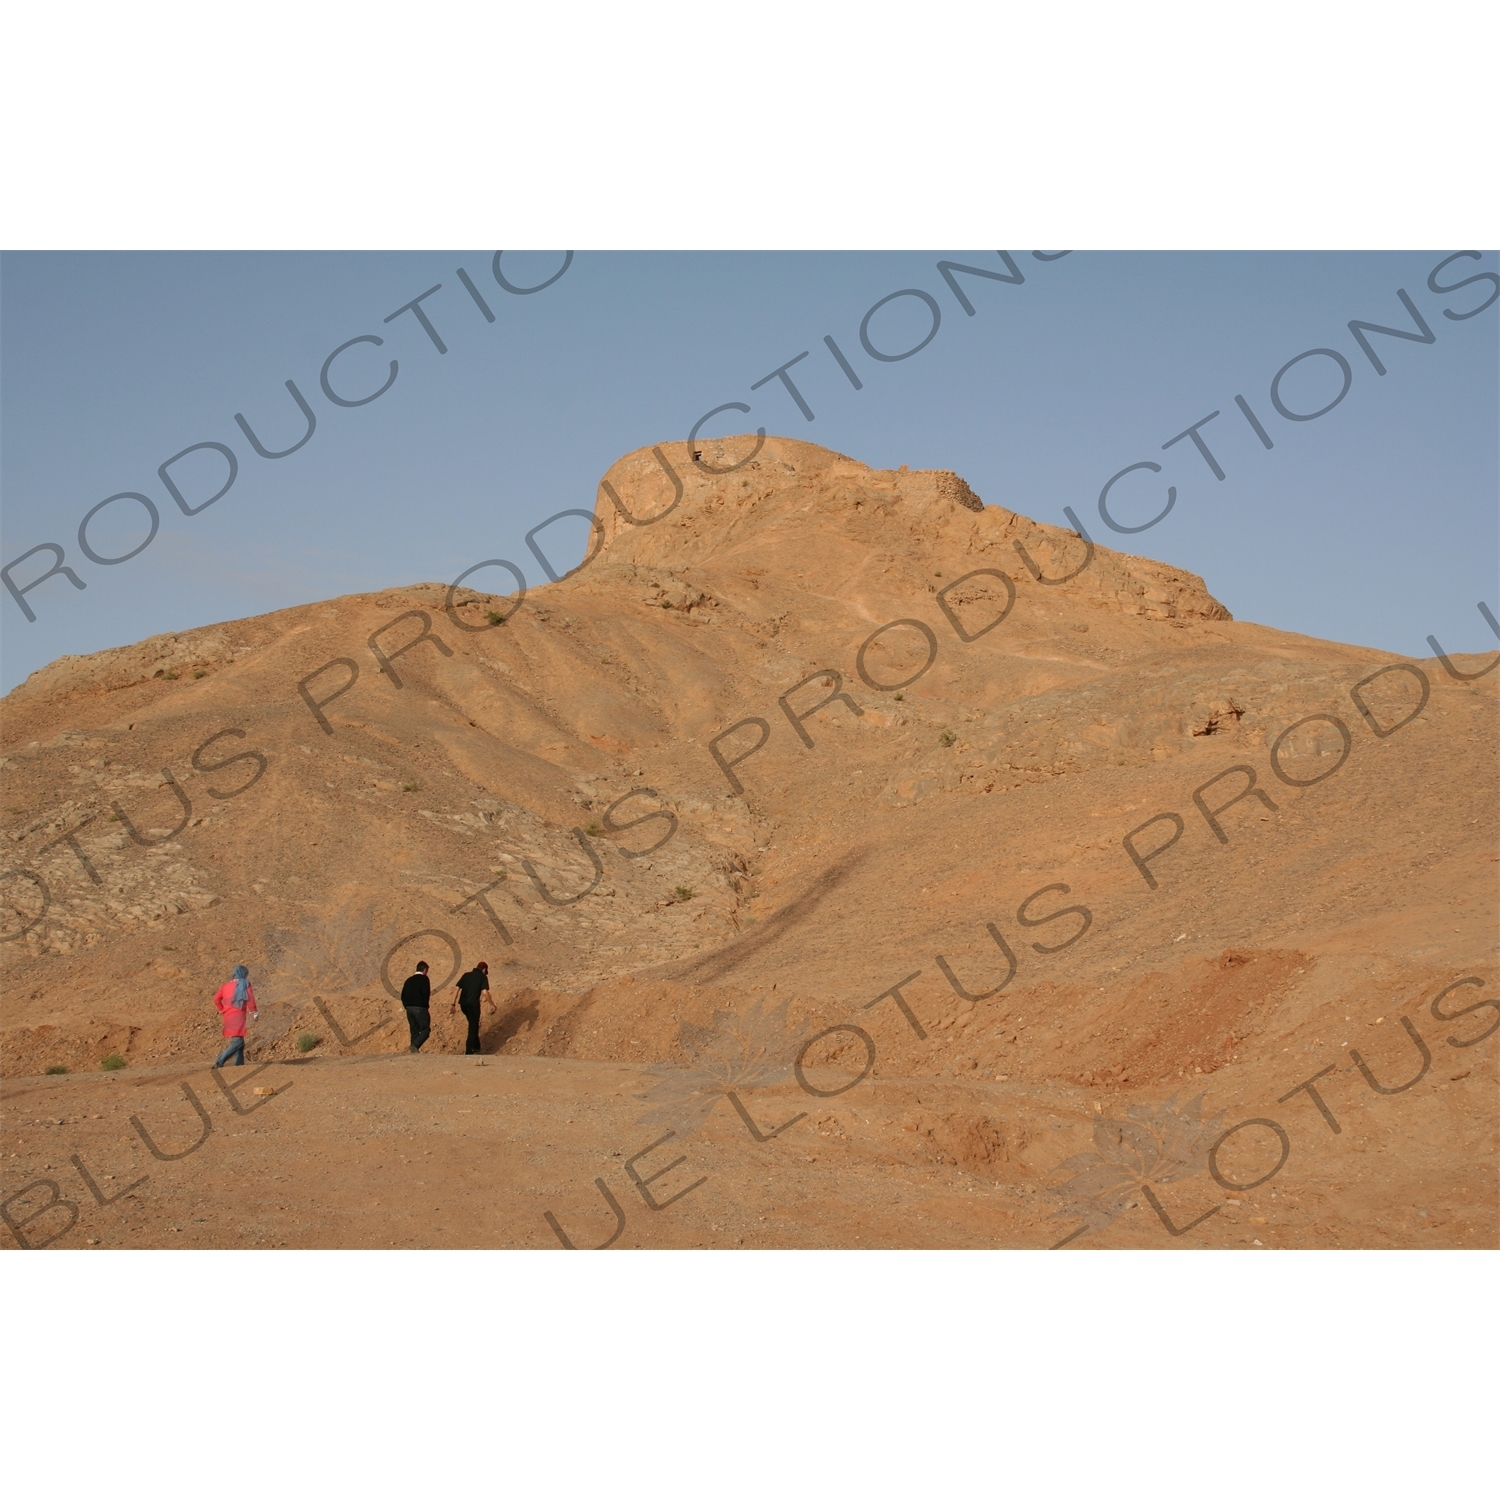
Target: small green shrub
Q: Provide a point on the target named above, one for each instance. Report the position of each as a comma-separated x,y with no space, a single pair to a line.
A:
594,829
307,1041
947,737
494,617
171,676
113,1063
200,673
900,696
56,1068
408,786
683,893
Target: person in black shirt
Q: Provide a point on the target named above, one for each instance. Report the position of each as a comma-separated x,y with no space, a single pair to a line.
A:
466,995
416,996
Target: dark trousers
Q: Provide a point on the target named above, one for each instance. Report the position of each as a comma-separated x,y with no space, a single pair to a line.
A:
419,1019
471,1044
234,1052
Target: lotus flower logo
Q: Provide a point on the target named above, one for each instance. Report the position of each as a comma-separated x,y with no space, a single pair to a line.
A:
337,954
733,1056
1162,1145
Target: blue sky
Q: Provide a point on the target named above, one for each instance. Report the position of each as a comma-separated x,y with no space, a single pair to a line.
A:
1375,523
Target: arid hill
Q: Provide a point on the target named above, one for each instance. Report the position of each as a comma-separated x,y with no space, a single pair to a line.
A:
1074,872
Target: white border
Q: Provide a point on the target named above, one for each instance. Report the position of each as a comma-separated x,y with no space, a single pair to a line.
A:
302,123
751,1373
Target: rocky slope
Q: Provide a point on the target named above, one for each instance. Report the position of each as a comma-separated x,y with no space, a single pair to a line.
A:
795,734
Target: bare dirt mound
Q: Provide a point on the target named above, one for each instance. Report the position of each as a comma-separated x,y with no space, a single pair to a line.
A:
915,872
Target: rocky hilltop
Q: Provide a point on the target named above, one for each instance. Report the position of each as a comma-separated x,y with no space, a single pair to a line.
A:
1074,871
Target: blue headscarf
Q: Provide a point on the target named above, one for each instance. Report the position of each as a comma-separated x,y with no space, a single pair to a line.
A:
241,977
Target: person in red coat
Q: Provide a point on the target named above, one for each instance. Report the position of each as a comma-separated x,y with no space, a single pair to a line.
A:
235,1001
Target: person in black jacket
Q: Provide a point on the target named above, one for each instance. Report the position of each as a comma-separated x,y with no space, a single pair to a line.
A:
416,997
466,994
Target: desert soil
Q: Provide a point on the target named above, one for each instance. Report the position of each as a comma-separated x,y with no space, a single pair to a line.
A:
878,969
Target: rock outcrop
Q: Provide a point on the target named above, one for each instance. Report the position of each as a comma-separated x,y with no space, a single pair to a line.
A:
797,732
